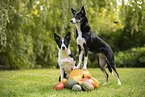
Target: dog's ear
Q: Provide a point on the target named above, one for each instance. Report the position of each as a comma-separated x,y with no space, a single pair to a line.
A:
73,11
57,38
83,10
67,37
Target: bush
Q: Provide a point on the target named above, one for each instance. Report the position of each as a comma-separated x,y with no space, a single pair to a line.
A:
134,57
27,27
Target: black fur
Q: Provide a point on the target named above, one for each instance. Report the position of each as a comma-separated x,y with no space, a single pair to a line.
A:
59,40
72,56
64,77
93,43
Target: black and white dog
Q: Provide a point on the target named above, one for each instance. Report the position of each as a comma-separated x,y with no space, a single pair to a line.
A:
88,41
65,58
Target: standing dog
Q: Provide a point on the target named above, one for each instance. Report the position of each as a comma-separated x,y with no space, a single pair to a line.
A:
65,59
88,41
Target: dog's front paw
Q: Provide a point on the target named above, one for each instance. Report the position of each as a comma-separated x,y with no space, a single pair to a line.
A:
84,67
104,83
75,67
112,73
119,83
78,66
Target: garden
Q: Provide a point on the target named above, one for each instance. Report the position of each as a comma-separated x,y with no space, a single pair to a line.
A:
29,54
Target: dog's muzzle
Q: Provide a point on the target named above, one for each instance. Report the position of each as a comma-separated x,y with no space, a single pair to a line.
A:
71,21
63,48
74,21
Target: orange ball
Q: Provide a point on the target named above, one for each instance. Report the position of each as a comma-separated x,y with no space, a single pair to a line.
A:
63,80
59,86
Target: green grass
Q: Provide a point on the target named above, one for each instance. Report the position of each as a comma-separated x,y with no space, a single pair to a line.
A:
41,83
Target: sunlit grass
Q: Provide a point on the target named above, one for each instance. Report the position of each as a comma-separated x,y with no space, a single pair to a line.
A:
41,83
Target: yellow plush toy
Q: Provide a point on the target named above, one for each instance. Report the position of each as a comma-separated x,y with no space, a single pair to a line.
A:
76,76
79,72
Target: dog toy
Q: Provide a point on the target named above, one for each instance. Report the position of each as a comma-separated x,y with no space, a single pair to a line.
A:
79,72
63,80
86,86
88,80
70,83
76,88
80,78
94,80
59,86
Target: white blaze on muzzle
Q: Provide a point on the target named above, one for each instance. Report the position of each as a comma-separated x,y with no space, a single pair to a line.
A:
63,46
73,20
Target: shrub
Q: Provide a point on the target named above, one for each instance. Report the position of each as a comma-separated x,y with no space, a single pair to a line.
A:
134,57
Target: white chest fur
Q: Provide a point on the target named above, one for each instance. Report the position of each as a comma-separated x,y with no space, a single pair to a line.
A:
80,40
65,62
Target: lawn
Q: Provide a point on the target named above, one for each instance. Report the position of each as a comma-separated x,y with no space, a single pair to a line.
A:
41,83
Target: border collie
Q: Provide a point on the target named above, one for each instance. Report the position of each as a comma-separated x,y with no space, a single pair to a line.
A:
65,58
88,41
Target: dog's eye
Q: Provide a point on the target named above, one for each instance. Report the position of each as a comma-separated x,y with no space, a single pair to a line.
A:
65,42
78,17
60,43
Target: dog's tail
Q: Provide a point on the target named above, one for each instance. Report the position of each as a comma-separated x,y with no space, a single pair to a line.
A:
109,61
109,67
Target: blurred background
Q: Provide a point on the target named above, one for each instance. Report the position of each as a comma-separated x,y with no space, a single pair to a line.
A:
27,27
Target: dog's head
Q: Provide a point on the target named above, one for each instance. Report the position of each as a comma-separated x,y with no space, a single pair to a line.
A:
62,43
78,16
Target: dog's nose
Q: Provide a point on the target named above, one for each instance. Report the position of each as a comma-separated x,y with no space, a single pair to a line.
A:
63,48
71,21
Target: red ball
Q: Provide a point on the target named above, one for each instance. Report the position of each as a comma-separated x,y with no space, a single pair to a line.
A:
88,80
59,86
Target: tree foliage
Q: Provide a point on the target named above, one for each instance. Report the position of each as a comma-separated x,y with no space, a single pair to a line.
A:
27,27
